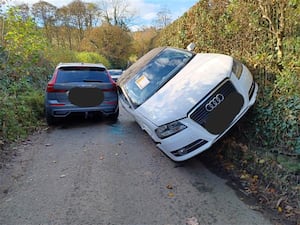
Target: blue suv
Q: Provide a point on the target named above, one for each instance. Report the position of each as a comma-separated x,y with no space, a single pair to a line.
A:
80,88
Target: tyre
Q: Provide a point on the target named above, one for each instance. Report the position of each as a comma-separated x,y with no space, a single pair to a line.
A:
50,119
114,116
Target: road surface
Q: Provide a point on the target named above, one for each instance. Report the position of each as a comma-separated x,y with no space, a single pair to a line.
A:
96,172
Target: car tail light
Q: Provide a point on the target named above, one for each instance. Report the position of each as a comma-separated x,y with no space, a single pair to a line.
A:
51,83
50,88
113,89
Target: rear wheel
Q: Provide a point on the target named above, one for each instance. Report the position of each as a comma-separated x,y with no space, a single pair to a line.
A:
50,119
114,116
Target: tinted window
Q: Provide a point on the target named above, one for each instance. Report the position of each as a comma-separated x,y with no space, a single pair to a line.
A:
155,74
115,72
82,74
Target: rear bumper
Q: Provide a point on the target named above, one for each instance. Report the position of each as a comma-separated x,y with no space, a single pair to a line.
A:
64,111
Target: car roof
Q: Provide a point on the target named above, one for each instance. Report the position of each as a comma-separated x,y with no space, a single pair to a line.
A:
80,64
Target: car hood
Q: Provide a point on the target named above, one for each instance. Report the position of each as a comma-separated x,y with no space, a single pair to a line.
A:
178,96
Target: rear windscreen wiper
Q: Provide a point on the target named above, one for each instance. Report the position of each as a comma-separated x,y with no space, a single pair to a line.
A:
93,81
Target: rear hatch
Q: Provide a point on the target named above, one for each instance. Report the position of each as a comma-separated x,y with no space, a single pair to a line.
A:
82,86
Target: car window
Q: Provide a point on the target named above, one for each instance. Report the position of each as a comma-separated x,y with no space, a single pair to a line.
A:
115,72
82,74
155,74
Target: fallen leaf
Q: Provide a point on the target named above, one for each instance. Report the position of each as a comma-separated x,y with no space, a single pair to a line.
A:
192,221
289,208
169,186
244,176
171,194
279,202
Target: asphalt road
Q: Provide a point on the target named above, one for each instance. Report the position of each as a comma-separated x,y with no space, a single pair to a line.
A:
95,172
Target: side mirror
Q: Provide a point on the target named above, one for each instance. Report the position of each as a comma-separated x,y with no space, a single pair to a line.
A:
191,47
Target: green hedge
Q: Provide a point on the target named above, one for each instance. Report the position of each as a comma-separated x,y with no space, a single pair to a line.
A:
22,108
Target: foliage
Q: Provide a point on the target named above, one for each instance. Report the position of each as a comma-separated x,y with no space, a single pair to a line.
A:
114,44
23,41
22,110
67,26
92,57
276,123
23,75
59,55
143,41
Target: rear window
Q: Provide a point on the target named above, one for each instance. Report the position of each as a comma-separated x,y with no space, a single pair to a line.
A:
82,74
115,72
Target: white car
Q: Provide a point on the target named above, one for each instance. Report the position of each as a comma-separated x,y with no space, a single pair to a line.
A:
186,101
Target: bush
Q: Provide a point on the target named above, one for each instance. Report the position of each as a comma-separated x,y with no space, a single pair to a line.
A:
60,55
21,110
276,123
92,57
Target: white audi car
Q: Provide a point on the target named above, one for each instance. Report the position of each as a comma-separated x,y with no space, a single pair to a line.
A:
186,101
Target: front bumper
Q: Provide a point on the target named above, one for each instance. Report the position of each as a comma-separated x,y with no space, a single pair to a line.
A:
195,139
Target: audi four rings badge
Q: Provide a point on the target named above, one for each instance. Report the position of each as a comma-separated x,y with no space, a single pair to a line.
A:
212,104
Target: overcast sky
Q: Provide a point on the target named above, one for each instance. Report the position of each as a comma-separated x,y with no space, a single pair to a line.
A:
146,10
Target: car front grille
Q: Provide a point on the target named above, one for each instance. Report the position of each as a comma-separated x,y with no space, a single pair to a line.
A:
219,109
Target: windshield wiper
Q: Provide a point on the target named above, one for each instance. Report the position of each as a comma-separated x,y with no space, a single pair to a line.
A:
100,81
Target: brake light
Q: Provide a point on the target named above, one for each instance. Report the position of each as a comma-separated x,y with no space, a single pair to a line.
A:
50,85
114,88
50,88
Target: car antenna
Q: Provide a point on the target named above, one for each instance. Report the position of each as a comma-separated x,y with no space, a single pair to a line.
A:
191,46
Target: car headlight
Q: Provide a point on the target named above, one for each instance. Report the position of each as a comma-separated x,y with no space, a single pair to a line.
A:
237,68
169,129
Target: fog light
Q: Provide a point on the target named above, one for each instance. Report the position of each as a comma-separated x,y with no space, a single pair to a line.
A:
180,152
189,148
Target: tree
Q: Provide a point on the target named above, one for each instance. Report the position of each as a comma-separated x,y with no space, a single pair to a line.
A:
274,12
143,40
93,15
163,19
112,42
23,11
75,19
64,31
44,14
77,14
23,41
116,12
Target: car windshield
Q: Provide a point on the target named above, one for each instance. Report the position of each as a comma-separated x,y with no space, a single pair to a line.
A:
155,74
81,74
